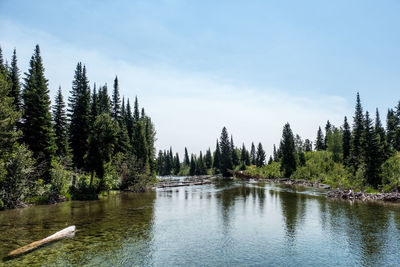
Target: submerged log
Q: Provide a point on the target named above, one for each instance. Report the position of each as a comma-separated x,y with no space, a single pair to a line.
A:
65,233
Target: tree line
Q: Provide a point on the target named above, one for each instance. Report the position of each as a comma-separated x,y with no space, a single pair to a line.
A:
225,158
94,142
362,155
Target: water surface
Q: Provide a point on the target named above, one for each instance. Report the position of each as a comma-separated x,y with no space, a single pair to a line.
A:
230,224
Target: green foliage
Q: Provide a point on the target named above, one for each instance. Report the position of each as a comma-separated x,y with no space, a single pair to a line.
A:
288,163
226,153
260,156
8,118
357,135
320,167
17,175
320,142
13,76
346,141
37,127
60,126
270,171
335,144
60,180
79,115
391,171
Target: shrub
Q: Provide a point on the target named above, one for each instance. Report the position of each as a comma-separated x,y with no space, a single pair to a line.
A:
17,176
270,171
391,172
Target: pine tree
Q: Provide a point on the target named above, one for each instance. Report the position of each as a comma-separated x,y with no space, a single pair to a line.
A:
380,131
392,127
186,160
104,100
129,120
192,170
177,164
139,144
270,160
288,165
60,125
372,152
244,156
79,115
200,166
116,101
328,128
160,163
226,153
136,115
320,143
235,157
3,69
208,159
150,134
253,154
15,92
37,127
275,153
8,118
346,141
94,105
260,157
217,158
356,142
307,145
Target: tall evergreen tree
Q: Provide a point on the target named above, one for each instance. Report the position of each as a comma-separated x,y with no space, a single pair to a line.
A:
116,101
150,134
217,158
260,157
94,105
328,128
192,170
288,165
37,127
8,118
380,131
104,100
60,125
136,115
391,129
275,153
253,154
320,143
129,120
3,69
79,115
208,159
356,142
346,141
186,159
226,153
235,157
244,156
177,164
307,145
139,144
372,152
15,92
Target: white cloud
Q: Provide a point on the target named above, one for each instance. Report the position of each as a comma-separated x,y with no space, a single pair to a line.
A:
188,109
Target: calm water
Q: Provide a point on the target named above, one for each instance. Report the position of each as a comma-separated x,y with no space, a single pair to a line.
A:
213,225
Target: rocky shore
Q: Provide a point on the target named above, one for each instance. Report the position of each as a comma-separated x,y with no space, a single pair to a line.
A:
351,195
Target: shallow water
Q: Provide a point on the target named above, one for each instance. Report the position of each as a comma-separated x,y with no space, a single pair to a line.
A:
211,225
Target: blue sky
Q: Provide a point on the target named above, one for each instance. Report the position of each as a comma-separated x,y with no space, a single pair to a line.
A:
234,58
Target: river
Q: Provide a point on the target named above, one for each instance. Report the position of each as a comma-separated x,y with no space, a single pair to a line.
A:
231,224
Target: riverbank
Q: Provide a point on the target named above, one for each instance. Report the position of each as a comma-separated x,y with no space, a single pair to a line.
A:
348,194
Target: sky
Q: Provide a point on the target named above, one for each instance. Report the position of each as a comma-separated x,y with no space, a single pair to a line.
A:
197,66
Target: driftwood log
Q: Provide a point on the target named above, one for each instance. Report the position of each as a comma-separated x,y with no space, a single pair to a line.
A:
65,233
